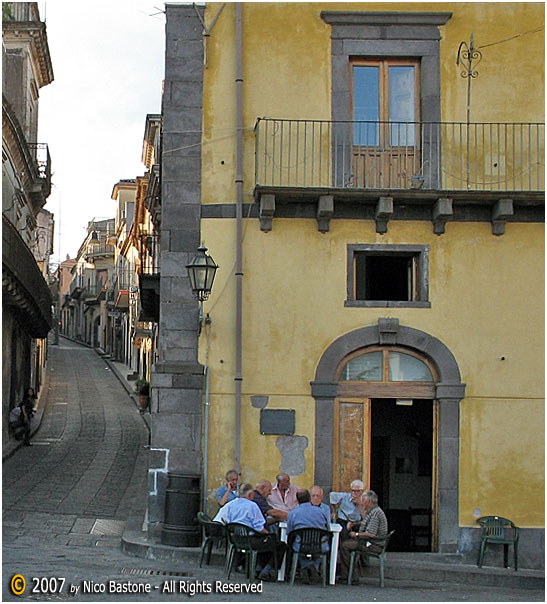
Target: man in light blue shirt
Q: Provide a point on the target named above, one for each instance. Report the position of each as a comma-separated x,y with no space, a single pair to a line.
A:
346,506
245,511
306,515
228,492
316,498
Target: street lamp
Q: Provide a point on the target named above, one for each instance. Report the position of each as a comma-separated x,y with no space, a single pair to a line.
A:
201,272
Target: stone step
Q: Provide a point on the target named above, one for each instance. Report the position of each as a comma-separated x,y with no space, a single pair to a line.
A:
398,570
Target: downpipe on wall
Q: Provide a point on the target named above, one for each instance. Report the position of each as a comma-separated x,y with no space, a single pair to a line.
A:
206,439
239,235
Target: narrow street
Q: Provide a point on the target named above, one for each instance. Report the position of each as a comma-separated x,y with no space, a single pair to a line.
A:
66,500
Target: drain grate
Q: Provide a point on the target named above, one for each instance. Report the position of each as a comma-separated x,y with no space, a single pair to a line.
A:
152,572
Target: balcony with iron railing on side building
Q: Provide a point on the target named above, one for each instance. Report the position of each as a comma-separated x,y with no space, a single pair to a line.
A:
413,162
20,12
149,277
124,282
76,287
100,250
23,285
33,159
93,293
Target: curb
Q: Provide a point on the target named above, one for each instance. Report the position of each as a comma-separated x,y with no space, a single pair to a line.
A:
144,414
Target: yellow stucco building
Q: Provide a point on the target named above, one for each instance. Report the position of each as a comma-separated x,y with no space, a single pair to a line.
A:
369,177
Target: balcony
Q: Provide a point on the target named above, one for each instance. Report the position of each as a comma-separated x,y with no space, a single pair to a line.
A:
23,285
103,250
32,159
20,11
93,293
400,155
436,171
42,163
76,286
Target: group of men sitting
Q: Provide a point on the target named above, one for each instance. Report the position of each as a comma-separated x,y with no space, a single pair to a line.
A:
261,508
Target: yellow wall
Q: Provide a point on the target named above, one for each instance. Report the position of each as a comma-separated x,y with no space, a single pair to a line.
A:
486,292
503,461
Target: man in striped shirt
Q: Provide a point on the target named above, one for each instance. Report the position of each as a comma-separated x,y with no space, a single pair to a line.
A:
373,528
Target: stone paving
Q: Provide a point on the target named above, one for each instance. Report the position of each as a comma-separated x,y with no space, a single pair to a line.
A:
66,500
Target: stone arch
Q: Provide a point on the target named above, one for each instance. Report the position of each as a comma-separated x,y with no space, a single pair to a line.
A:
449,391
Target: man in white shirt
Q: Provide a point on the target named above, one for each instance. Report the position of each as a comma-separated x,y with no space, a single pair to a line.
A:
244,510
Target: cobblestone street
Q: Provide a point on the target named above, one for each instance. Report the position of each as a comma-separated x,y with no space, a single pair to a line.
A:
66,499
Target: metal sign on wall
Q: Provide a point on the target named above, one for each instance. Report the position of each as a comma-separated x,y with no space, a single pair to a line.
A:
277,421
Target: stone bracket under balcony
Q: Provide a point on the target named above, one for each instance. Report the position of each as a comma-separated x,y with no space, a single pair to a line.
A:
438,207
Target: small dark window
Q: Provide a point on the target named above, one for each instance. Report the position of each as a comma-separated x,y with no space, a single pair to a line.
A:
388,275
383,277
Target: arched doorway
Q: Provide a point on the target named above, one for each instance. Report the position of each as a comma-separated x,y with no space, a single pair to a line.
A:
441,395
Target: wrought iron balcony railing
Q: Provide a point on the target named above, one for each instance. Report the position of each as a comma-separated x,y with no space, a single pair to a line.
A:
20,11
42,158
149,253
400,155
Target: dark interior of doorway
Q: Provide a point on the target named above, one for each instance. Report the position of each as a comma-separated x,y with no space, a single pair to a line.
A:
401,464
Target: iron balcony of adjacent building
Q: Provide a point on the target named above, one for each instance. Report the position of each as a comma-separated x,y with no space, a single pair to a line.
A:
103,250
23,285
34,157
149,286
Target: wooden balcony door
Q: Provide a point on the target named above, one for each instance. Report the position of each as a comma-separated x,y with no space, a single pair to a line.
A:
386,131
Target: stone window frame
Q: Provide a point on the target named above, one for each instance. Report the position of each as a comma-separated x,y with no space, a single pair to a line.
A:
419,251
367,34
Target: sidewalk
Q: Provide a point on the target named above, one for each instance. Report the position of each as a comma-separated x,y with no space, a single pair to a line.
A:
122,372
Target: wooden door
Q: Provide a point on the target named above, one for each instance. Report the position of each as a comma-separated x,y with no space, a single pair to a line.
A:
434,479
351,443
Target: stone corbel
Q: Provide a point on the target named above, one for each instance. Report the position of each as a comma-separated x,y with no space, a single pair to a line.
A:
325,210
384,212
266,212
442,211
501,211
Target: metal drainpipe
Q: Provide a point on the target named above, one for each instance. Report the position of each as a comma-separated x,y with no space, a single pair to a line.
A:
239,234
206,439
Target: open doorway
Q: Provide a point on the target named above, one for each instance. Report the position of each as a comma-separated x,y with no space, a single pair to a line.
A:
401,469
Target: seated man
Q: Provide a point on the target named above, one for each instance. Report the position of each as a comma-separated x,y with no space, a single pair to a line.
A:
306,515
316,498
19,423
346,506
245,511
228,492
223,512
283,496
262,491
373,528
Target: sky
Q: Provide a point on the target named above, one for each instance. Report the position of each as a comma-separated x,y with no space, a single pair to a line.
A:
108,65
